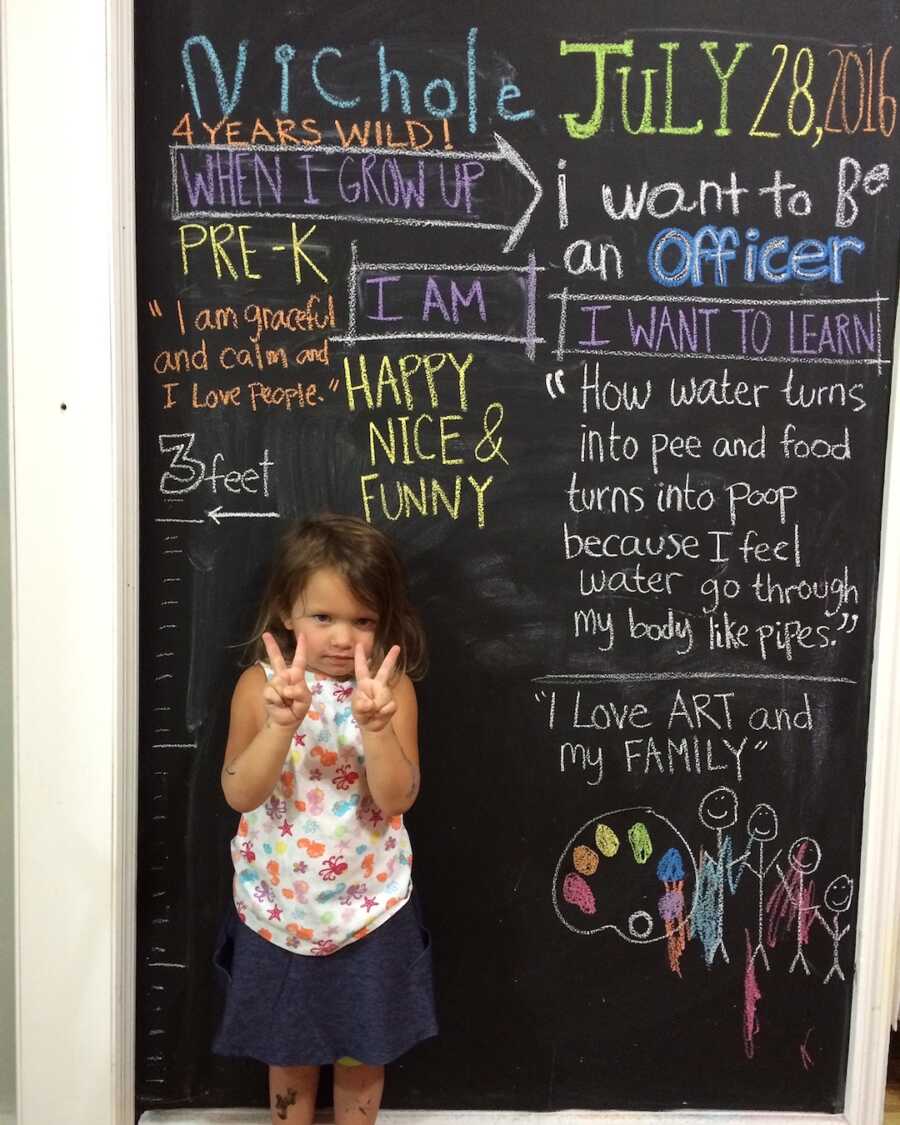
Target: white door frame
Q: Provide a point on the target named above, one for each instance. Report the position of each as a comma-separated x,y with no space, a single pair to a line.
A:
70,237
69,240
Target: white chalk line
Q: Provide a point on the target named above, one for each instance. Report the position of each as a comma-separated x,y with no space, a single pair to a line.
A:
790,359
503,153
591,677
443,336
349,150
531,310
351,294
331,217
661,298
455,267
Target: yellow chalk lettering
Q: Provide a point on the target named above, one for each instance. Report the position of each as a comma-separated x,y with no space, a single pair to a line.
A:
246,253
386,378
408,369
479,496
300,253
461,372
389,446
384,507
196,240
437,493
367,497
420,452
426,496
411,500
433,364
217,245
363,386
404,437
448,436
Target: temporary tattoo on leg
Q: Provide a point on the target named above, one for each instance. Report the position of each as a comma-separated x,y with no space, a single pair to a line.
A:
283,1101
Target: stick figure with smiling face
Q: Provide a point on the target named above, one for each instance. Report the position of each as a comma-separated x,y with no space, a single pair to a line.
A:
718,811
804,857
838,897
762,827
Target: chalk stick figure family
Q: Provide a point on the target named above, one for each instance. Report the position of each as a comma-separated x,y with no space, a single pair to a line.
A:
586,876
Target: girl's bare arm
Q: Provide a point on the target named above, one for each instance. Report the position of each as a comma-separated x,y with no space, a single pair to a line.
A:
256,748
392,753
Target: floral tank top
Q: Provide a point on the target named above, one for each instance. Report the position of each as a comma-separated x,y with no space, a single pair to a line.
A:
318,865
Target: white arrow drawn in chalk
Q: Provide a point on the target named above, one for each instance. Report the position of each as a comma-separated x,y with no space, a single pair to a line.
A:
216,515
504,153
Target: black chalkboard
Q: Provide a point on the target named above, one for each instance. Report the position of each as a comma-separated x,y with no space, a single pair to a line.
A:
591,307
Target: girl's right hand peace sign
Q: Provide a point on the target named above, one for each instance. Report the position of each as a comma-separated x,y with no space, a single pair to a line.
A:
286,695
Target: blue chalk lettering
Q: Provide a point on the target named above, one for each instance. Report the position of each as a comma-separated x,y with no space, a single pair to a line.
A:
777,245
472,75
227,101
675,256
385,75
440,84
284,52
665,240
508,93
836,247
719,253
332,99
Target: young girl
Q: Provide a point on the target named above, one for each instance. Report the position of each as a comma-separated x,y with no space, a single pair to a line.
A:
326,957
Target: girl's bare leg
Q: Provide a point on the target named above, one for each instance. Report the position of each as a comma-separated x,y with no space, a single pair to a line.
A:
292,1094
357,1093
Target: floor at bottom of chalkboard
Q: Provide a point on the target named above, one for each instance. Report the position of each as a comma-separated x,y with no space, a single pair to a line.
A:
408,1117
892,1094
512,1117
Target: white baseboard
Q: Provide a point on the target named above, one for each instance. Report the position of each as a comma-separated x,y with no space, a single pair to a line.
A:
498,1117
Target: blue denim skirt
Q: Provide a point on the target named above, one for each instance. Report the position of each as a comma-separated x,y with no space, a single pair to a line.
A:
372,1000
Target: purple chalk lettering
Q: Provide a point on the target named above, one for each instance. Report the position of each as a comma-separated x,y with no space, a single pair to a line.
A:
381,281
594,341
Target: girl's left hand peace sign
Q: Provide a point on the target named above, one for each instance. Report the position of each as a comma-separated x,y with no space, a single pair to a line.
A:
372,702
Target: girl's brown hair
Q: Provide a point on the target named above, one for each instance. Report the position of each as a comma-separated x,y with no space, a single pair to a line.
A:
367,561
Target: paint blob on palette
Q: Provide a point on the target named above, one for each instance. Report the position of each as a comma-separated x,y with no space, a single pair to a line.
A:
630,871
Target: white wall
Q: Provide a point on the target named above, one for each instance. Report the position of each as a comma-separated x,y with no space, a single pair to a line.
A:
70,307
7,839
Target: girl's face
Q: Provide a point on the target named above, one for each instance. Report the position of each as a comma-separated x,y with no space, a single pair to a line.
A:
333,621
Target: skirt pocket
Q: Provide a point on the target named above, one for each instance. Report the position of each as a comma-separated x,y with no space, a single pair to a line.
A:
223,955
424,954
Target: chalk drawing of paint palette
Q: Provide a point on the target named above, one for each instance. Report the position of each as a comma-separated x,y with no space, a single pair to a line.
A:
630,871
